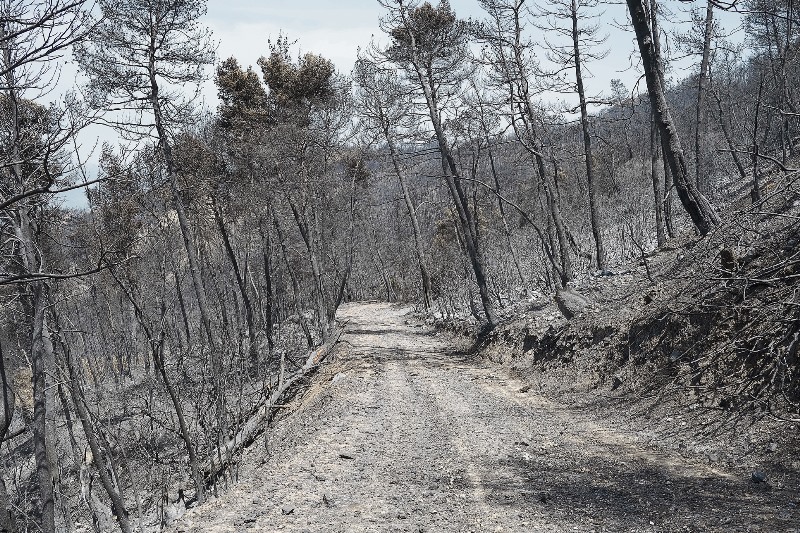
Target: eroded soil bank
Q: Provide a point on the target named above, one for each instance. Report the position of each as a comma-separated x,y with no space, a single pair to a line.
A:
402,431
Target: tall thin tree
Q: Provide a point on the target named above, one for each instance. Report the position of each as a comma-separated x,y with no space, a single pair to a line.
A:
703,215
431,46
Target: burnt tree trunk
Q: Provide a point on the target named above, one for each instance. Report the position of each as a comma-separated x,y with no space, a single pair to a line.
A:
658,196
240,282
697,206
460,199
700,122
7,522
100,460
412,215
726,132
185,228
587,143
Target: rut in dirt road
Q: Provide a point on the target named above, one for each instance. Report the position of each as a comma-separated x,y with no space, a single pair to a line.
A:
400,432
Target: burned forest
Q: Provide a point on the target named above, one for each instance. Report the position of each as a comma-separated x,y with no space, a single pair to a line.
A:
512,266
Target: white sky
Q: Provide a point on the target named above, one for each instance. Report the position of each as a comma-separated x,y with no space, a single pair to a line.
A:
336,28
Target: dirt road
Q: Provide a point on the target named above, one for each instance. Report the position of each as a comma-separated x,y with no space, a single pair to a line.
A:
401,433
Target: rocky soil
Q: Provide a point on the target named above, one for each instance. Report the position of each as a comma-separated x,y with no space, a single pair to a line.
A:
404,430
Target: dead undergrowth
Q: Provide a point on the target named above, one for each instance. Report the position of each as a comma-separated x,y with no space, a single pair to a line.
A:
697,343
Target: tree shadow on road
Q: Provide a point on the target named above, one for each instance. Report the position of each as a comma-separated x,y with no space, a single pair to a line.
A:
624,494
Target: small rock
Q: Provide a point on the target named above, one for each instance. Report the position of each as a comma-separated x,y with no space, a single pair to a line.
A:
616,383
287,510
525,389
346,456
570,303
758,477
772,447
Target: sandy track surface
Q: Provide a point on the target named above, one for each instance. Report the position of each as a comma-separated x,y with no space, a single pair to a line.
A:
401,432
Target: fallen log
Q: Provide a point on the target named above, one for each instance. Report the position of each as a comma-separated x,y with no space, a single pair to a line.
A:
224,455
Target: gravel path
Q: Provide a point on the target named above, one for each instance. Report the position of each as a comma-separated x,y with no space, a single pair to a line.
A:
402,433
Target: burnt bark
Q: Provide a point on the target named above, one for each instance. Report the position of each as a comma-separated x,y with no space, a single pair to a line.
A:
696,205
519,91
240,282
412,215
295,282
700,122
428,85
266,252
726,132
301,219
156,344
658,195
587,143
7,522
103,465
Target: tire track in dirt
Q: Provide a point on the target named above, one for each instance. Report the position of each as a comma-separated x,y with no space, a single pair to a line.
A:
401,433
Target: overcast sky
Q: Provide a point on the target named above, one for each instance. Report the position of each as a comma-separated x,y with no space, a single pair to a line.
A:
336,28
